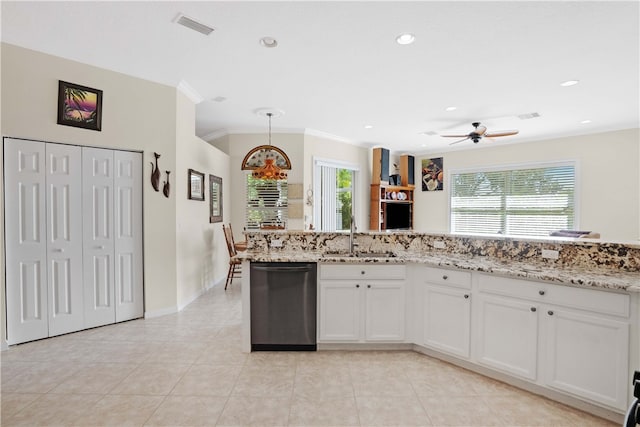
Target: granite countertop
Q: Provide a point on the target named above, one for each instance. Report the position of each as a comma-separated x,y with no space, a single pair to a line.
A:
602,279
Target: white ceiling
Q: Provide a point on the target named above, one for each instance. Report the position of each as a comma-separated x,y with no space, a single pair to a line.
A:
338,68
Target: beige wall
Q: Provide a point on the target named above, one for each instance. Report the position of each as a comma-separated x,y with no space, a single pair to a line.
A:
137,115
201,251
608,178
237,146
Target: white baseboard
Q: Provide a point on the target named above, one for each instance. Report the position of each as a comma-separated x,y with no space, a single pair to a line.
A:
161,312
4,346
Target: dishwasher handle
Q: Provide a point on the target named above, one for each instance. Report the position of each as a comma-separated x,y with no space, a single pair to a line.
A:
284,269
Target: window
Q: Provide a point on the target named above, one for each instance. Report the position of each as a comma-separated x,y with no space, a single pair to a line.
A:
335,185
530,201
267,203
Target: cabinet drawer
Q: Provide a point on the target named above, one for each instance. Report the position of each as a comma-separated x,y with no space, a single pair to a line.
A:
589,299
369,272
511,287
593,300
442,276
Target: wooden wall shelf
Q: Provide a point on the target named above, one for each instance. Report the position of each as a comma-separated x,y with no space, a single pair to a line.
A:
391,207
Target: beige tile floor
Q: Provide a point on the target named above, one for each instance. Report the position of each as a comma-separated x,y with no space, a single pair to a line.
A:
187,370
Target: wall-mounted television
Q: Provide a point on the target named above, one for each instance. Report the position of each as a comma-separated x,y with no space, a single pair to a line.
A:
398,216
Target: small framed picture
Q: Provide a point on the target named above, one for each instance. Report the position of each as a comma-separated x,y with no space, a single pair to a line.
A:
196,185
79,106
215,199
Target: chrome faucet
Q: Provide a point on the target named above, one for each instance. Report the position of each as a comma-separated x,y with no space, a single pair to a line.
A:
352,237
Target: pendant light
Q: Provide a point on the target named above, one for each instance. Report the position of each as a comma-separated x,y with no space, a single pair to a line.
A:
267,162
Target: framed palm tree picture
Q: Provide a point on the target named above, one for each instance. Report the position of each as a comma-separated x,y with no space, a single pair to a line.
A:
79,106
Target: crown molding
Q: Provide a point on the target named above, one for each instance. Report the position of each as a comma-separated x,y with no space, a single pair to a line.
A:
190,92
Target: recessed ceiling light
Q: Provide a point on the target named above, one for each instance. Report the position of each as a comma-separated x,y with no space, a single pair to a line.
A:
584,122
569,83
219,99
451,108
405,38
368,126
268,42
423,145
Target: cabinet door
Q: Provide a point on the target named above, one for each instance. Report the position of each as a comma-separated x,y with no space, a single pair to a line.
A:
447,319
25,240
97,200
64,238
385,311
587,355
339,311
128,235
508,335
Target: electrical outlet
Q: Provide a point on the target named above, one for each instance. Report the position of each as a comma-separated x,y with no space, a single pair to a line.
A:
439,244
551,254
276,243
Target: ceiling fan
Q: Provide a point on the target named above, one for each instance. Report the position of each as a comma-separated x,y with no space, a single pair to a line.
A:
479,132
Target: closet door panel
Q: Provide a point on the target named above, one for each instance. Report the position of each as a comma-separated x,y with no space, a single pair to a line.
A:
64,238
98,242
25,240
128,235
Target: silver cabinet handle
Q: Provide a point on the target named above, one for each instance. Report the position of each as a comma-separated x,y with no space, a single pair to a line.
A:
541,292
445,277
368,286
550,313
58,250
466,296
357,286
362,272
99,247
533,309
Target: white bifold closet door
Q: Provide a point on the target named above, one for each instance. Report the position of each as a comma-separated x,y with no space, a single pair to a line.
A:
43,233
112,206
73,232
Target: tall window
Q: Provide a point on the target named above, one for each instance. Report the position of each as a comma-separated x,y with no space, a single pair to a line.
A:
516,202
335,186
267,203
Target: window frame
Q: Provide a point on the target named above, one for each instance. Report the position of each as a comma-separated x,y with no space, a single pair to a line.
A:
319,162
518,166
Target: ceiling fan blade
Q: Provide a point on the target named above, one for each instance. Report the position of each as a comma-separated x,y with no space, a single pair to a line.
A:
502,133
456,136
455,142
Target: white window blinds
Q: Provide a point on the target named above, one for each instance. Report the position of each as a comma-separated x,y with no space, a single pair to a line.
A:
335,184
267,203
518,202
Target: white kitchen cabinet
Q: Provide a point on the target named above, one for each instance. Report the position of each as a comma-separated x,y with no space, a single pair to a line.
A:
578,338
339,311
447,319
587,355
507,335
446,310
362,303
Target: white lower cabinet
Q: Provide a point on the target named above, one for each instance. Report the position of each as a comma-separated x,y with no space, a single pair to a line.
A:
361,303
507,335
587,355
447,310
577,338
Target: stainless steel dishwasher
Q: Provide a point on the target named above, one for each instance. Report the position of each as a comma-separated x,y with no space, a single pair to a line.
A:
283,306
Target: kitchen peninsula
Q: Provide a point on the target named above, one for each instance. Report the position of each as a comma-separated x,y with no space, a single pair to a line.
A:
565,325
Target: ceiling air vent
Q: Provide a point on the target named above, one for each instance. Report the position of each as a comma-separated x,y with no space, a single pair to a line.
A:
528,116
193,24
